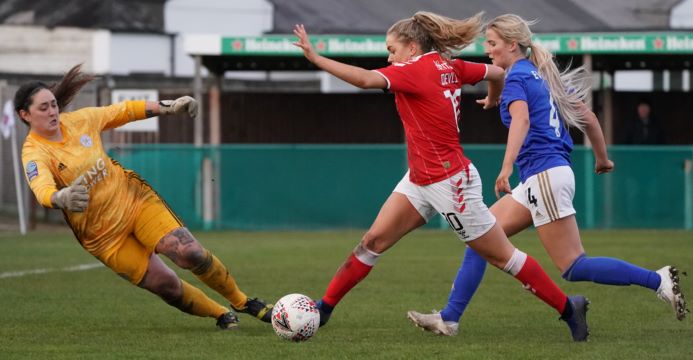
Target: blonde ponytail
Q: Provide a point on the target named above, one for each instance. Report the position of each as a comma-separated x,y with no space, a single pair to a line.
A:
569,88
436,32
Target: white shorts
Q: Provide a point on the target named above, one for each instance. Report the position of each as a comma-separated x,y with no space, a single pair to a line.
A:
458,199
548,195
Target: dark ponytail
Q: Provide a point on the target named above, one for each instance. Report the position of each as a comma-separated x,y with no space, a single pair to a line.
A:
69,85
64,90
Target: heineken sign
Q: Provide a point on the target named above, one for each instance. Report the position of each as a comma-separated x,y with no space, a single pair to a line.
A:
327,45
374,46
648,43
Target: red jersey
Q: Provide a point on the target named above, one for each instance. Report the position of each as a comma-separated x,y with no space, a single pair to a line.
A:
427,94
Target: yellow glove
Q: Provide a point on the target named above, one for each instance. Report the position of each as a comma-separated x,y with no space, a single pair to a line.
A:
180,105
72,198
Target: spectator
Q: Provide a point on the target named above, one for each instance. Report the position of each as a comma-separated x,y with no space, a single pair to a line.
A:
644,129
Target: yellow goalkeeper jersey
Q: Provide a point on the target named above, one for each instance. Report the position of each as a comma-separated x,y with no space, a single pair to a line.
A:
80,156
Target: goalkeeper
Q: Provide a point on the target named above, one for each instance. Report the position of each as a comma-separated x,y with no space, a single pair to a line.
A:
116,215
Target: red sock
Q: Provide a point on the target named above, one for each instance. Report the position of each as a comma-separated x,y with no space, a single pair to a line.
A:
535,279
348,275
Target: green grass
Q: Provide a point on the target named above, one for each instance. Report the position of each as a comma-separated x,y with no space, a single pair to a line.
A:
95,314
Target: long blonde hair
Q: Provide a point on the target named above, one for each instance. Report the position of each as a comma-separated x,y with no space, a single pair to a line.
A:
568,88
436,32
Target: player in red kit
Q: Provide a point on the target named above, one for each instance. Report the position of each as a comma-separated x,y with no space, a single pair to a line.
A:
427,85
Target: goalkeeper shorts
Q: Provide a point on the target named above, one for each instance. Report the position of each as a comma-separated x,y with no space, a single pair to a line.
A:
129,255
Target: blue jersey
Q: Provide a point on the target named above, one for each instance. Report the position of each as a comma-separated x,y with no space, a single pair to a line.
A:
548,143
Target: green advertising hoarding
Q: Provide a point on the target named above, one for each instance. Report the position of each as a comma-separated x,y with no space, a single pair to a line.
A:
373,46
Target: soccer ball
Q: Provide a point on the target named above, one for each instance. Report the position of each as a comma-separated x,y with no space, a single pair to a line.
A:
295,317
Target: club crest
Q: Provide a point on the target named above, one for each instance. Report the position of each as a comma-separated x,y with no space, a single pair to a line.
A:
85,140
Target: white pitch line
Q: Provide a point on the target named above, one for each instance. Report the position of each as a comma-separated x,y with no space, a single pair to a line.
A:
82,267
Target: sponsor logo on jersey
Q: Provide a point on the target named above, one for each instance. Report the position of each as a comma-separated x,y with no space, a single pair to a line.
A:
95,174
442,65
31,170
85,140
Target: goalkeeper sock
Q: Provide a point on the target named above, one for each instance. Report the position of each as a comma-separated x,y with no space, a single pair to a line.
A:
463,288
194,301
528,271
353,270
610,271
213,273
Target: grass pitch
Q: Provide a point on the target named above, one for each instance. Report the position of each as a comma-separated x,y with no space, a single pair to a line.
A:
50,308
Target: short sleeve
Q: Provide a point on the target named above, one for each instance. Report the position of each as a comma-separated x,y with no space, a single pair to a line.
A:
513,90
401,77
470,72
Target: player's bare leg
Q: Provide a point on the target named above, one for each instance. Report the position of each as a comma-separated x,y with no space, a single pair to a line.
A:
396,218
498,251
185,251
162,281
561,238
512,216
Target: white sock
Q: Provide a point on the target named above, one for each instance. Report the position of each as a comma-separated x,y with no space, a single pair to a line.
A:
516,262
366,256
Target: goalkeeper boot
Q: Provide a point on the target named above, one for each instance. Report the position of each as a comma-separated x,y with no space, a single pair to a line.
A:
257,308
325,311
434,323
577,320
670,291
227,321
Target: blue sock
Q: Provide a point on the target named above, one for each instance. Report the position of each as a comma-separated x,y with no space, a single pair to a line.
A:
466,282
610,271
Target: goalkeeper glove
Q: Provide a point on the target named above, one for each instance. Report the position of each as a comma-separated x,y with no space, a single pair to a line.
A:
180,105
72,198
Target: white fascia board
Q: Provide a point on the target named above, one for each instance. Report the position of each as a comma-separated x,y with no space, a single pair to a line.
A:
101,52
202,44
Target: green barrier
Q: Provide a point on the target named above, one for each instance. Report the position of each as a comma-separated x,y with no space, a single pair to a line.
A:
650,188
277,187
173,171
306,186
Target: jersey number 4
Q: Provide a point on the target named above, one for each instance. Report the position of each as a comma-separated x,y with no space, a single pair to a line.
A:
554,121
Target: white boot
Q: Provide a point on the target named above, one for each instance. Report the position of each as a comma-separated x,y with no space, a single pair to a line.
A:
434,323
670,291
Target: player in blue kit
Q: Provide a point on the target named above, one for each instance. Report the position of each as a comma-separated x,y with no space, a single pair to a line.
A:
440,180
538,104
